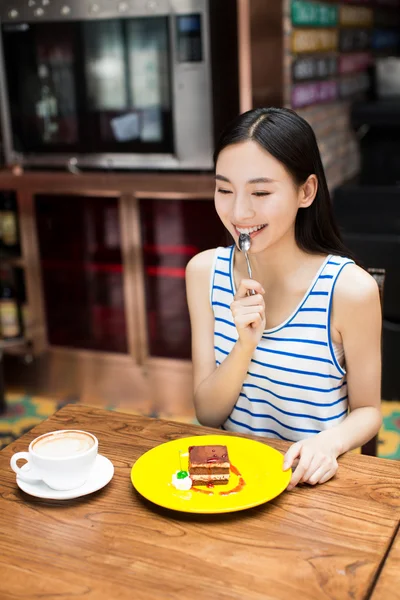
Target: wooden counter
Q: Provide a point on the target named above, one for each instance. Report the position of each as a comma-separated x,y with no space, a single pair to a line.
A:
200,185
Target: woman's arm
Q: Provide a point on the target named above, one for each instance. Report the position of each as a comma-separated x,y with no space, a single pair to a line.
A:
216,390
357,317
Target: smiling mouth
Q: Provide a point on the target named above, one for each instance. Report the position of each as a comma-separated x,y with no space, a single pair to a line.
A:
251,231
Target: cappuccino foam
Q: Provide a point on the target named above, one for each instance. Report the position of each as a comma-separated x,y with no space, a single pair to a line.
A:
60,445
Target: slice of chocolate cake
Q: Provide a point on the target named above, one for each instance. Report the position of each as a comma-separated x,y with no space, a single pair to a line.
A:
209,465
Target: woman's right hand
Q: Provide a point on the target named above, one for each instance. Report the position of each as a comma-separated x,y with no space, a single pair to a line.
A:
249,313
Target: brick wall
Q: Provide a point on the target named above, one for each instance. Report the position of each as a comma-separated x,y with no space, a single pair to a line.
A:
336,140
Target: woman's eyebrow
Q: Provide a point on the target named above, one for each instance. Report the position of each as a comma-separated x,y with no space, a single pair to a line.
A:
256,180
261,180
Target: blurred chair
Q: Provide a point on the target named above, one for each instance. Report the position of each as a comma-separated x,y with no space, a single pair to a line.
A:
371,447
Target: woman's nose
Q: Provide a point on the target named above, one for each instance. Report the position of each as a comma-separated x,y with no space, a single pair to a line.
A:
243,209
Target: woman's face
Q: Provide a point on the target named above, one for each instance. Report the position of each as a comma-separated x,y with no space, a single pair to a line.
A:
254,194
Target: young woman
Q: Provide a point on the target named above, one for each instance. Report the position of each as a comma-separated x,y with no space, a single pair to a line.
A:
300,359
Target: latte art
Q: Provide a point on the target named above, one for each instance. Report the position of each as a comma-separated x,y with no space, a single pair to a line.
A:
66,443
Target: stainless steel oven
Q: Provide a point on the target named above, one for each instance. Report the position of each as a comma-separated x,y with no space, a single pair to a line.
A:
98,83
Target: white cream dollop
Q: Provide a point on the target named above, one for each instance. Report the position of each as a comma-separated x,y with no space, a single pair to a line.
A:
182,485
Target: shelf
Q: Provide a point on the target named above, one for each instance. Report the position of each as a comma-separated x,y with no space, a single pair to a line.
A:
191,185
13,261
19,346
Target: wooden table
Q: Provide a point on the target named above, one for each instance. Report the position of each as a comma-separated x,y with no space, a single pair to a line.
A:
327,542
388,585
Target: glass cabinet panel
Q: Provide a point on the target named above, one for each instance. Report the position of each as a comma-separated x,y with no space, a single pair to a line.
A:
82,270
101,86
172,232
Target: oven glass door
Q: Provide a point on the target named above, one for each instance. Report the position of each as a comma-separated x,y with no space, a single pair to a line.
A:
99,86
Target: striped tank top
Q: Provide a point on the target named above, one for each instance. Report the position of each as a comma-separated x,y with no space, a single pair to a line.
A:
295,385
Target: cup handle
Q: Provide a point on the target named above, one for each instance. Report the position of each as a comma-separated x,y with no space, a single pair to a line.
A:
32,475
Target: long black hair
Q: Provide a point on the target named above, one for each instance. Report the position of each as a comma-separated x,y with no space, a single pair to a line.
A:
291,140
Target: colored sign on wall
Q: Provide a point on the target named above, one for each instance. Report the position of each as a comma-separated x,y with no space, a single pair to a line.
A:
314,40
344,27
351,63
304,94
314,67
313,14
356,16
352,40
356,84
383,39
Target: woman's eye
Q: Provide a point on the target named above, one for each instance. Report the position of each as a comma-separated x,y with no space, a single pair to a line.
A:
259,194
222,191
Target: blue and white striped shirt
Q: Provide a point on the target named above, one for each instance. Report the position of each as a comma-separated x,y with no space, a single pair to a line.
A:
295,386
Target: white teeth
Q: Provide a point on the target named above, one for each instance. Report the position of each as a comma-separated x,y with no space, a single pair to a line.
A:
249,230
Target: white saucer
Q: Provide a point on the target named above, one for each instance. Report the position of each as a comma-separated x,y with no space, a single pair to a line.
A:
101,474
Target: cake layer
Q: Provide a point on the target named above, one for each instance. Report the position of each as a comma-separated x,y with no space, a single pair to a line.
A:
211,466
205,470
214,479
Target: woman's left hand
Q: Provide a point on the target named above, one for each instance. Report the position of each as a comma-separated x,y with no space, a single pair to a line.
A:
316,459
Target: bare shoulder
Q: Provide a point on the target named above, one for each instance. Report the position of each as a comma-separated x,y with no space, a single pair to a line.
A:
356,304
355,287
198,277
200,265
201,261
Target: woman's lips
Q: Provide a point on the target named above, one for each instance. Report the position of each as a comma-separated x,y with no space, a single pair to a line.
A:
254,233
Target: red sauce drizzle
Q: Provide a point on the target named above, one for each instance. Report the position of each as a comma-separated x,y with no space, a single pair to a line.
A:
235,490
235,471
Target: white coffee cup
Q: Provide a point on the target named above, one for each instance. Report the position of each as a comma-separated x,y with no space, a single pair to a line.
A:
62,459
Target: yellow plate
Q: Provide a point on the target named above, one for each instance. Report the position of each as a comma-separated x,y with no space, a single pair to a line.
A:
259,465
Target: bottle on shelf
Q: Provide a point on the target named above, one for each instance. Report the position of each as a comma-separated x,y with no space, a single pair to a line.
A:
47,106
9,230
10,313
20,290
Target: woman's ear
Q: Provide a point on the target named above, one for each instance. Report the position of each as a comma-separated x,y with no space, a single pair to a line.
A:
308,191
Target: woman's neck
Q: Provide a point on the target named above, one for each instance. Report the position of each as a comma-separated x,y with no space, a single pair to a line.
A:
274,264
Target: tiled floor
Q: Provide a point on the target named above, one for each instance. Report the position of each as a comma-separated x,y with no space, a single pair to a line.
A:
24,412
